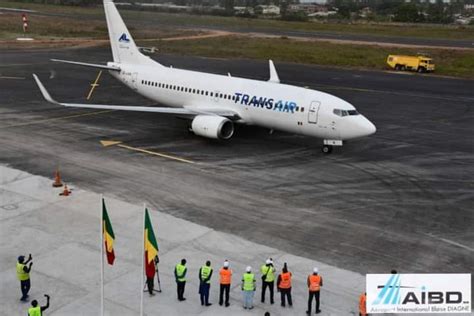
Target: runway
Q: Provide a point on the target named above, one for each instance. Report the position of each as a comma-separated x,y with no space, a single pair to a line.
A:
400,199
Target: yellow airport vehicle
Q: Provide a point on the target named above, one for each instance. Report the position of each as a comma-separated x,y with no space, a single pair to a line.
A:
418,63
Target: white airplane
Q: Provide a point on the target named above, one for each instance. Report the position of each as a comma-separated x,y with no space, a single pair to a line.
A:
215,103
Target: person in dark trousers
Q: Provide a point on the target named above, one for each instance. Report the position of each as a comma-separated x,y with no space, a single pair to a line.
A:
36,310
23,269
268,279
180,276
315,281
150,271
284,286
205,274
224,282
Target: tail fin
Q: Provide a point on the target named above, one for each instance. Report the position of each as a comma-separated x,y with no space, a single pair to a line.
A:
123,46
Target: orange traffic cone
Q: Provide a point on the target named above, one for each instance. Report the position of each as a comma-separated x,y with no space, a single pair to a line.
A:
57,179
66,191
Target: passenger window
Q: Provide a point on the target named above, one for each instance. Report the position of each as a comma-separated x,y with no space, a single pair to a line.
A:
297,108
207,92
302,109
220,95
212,94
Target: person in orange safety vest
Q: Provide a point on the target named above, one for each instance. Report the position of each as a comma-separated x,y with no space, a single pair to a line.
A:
363,305
284,286
225,281
315,281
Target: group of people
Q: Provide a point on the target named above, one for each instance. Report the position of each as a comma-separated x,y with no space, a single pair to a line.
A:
249,284
23,268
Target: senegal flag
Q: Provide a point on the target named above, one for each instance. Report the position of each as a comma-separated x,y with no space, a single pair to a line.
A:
151,246
108,235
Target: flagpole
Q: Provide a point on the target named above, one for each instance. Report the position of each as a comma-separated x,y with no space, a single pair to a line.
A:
143,261
101,255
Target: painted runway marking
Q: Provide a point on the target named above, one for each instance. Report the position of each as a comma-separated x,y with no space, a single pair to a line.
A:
451,242
56,119
14,78
107,143
408,94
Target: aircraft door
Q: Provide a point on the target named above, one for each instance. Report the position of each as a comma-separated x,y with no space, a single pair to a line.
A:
135,80
313,112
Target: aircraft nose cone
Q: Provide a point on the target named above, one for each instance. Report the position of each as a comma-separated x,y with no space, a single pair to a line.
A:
369,128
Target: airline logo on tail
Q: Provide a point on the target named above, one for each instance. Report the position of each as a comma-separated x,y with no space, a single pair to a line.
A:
123,38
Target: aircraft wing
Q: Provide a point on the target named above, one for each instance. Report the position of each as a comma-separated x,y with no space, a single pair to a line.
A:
189,110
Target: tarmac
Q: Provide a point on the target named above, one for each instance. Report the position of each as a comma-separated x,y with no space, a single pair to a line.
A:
63,235
401,199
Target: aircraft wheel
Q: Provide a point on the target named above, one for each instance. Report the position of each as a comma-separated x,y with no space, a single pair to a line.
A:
327,149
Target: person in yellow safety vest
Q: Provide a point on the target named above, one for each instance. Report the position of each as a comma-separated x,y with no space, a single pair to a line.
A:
363,305
225,281
268,279
248,287
205,274
23,269
284,286
315,281
36,310
180,276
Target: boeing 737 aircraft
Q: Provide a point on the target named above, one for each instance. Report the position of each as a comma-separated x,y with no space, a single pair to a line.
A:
215,103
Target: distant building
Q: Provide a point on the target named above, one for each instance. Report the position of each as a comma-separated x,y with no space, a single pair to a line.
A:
365,12
323,2
243,10
307,8
430,1
267,9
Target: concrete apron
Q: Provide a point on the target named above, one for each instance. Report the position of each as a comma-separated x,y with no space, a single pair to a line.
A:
62,234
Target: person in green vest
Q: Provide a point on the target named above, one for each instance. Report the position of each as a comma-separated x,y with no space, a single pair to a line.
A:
36,310
180,276
205,274
268,279
23,269
248,287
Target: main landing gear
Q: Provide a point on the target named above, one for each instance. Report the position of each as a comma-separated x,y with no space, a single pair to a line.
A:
328,145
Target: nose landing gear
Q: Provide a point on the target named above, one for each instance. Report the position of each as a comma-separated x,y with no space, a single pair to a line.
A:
328,145
326,149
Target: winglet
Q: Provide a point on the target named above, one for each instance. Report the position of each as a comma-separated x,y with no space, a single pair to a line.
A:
273,72
43,90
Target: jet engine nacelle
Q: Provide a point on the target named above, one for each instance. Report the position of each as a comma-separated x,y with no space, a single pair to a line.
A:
210,126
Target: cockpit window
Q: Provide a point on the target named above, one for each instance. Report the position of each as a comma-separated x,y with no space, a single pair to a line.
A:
352,112
342,113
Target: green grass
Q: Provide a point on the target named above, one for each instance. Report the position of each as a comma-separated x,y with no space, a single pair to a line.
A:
387,29
448,62
43,27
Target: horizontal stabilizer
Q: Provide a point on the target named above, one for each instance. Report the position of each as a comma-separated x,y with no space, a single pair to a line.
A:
87,64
